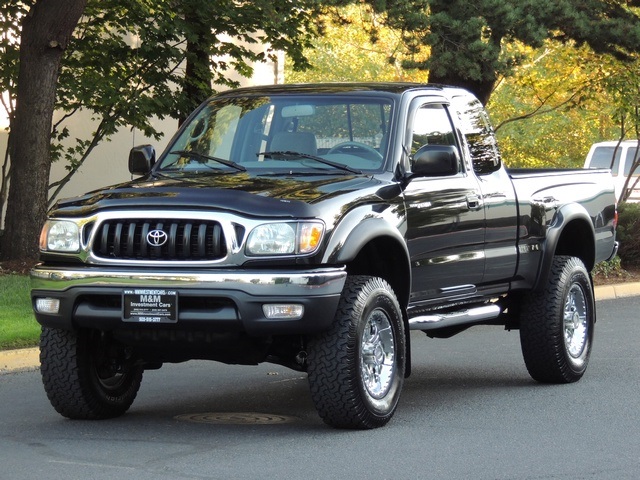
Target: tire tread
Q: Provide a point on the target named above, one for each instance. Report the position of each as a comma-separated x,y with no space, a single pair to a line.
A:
333,370
541,329
65,372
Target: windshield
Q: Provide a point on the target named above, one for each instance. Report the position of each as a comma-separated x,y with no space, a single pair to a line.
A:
283,135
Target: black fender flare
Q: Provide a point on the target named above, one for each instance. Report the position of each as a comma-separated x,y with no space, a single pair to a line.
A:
563,217
361,226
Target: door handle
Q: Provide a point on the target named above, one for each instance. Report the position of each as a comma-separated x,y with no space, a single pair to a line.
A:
473,202
547,202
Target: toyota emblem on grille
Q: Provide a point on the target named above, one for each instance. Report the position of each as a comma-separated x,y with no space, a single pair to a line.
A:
157,238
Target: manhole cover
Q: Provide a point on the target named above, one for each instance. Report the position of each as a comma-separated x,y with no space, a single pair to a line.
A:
236,418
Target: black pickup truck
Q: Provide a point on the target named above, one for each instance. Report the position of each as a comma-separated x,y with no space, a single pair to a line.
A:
315,226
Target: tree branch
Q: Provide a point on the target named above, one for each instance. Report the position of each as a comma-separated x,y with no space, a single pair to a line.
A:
59,185
538,110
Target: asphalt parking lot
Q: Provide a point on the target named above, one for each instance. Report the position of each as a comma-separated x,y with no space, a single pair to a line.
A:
469,411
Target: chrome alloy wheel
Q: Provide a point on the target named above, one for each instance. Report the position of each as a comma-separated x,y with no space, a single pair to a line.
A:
576,324
360,387
377,354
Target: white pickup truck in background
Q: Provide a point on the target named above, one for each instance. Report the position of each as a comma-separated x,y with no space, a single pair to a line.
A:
626,152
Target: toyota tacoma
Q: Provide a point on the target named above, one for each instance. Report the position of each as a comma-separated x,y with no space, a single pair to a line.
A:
316,226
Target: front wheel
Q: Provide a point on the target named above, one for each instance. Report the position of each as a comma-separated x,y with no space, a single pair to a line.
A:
356,369
86,375
556,325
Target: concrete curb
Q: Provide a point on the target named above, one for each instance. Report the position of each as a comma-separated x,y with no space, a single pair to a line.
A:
28,358
618,290
19,360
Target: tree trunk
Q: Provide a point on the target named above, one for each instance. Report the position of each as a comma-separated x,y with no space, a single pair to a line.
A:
482,89
46,32
481,84
462,53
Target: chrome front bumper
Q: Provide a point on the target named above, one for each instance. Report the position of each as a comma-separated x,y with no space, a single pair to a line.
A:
89,297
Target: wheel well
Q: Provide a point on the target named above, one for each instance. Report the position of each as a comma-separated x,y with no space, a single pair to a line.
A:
576,240
383,257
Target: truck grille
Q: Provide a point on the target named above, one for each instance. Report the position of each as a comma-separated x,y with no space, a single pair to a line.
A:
159,239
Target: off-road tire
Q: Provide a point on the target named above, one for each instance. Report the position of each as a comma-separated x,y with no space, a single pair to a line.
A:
557,324
87,376
356,369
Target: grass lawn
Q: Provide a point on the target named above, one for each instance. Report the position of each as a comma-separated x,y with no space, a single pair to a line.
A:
18,327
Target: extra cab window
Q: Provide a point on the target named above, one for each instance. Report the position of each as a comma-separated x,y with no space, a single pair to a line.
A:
479,134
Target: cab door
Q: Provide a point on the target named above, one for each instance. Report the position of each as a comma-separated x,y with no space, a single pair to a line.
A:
445,214
498,193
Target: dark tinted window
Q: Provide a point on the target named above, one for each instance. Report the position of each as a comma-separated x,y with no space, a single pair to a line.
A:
479,134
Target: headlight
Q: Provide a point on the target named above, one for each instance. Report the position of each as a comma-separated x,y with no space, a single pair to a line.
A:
285,238
60,236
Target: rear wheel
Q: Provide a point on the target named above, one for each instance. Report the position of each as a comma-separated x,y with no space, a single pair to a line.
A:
86,375
556,326
356,369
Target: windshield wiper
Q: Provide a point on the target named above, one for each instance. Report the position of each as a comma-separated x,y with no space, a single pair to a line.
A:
202,156
288,155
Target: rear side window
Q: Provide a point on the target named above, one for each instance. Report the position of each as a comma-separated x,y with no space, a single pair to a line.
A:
602,156
631,157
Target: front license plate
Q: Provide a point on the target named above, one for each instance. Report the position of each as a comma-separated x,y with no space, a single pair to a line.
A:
149,306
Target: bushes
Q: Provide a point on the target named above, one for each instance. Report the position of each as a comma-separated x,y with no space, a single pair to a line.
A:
628,234
625,265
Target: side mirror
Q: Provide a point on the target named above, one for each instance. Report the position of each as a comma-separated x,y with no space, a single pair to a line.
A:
141,159
436,161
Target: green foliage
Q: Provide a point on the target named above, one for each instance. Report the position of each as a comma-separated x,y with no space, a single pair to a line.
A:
10,17
554,106
18,327
628,234
468,40
221,35
610,270
126,62
550,104
356,46
122,67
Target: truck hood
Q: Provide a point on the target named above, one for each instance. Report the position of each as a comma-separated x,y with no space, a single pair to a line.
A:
242,193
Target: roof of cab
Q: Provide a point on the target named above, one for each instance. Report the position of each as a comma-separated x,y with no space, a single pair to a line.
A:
336,88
